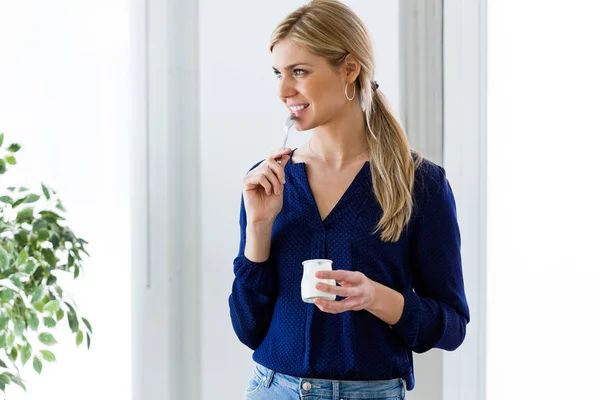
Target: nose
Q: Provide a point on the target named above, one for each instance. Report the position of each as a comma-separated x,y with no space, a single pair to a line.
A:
286,87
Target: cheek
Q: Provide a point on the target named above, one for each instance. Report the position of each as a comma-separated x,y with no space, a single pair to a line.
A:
330,104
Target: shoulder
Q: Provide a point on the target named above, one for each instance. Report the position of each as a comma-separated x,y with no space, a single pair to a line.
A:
256,165
260,162
429,175
431,186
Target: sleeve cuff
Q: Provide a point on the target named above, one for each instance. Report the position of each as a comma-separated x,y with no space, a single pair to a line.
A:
408,325
257,276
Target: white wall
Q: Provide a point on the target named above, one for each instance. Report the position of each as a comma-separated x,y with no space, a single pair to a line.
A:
241,120
64,96
464,153
544,197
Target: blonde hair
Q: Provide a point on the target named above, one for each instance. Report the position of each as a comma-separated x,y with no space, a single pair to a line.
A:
332,30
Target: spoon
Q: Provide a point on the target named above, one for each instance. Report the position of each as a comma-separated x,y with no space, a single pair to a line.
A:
286,128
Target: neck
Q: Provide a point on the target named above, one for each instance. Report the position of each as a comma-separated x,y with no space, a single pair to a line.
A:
342,141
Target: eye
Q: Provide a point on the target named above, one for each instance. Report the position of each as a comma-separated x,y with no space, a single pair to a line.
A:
297,72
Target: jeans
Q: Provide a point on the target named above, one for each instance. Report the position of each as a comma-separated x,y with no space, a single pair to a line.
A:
268,384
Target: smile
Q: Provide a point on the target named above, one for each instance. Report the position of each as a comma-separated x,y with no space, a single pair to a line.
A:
298,108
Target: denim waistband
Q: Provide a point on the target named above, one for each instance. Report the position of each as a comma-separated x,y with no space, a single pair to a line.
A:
334,388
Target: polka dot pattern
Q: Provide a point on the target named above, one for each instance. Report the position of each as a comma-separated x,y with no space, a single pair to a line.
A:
297,338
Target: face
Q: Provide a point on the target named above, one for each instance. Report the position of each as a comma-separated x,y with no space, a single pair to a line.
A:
310,88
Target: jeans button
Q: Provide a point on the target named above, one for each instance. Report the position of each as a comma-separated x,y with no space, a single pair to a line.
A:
306,386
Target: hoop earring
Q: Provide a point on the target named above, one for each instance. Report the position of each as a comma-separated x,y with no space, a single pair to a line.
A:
346,92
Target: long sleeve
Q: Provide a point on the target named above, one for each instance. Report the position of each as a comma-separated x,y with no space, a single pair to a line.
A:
435,311
252,295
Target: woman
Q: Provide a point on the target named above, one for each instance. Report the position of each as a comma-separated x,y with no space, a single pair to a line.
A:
355,193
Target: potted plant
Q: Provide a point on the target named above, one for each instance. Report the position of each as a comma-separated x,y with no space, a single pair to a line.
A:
36,248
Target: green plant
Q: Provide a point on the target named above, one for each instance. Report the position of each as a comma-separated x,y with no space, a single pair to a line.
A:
36,247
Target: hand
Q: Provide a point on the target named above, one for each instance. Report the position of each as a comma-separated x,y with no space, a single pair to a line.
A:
358,290
263,188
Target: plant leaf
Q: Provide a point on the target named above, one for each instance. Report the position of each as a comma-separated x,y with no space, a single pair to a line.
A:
47,339
17,282
52,306
22,257
13,148
25,215
39,224
60,206
48,355
3,322
86,322
60,314
1,138
73,322
14,354
11,160
31,198
37,365
17,380
6,199
51,279
49,322
43,234
3,258
5,379
33,321
50,216
71,308
79,338
46,193
6,294
30,267
25,354
19,326
88,340
38,294
10,340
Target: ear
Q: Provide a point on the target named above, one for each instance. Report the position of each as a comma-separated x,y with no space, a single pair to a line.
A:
350,68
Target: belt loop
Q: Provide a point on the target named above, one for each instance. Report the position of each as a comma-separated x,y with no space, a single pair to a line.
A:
269,378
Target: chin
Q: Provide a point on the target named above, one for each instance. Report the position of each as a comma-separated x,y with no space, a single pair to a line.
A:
302,125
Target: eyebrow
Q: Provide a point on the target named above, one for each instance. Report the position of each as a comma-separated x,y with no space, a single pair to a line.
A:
292,66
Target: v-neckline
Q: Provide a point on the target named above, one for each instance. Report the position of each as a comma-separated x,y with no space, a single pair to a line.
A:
341,201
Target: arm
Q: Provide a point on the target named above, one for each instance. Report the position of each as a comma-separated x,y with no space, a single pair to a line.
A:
435,313
252,296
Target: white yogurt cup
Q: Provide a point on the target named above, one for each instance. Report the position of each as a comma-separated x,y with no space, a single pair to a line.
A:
309,281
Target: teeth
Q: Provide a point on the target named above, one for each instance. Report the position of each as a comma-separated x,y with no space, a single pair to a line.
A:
298,108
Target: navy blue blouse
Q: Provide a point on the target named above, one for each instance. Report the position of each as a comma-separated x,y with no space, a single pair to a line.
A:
297,338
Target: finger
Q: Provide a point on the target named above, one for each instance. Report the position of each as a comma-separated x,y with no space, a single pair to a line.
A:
277,170
352,304
279,152
330,306
270,175
251,180
279,155
337,290
340,275
266,184
283,160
